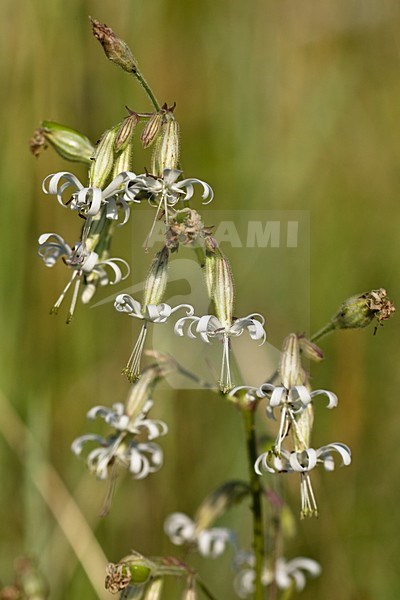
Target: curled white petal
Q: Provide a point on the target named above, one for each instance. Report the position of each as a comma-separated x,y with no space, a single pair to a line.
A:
212,542
332,398
78,443
179,528
126,304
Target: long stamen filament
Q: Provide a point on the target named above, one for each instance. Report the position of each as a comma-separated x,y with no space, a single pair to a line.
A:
226,378
61,297
308,502
74,298
132,369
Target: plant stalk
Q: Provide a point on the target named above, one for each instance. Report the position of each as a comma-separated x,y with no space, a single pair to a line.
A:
256,505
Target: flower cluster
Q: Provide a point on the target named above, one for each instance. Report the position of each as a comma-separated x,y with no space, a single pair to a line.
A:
295,402
210,543
285,573
122,448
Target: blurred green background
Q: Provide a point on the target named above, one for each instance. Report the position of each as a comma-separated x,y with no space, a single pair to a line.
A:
283,105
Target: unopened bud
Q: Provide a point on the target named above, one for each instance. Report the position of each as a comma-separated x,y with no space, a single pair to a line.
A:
152,129
301,434
219,501
124,160
190,592
309,349
290,365
167,148
156,281
358,311
154,589
103,160
142,389
114,47
219,282
125,132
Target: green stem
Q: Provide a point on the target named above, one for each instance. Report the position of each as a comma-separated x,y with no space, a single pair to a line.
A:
328,328
147,89
256,506
205,590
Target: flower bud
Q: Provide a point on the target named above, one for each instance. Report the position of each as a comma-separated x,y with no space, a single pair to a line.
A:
358,311
167,148
156,281
123,162
309,349
142,389
301,434
103,160
219,281
154,590
152,129
190,592
125,132
219,501
114,47
290,365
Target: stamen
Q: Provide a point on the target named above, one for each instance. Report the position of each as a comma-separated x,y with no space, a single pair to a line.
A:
308,503
74,298
226,378
57,305
132,369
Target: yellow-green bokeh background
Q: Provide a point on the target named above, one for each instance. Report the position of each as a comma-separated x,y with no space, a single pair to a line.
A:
284,105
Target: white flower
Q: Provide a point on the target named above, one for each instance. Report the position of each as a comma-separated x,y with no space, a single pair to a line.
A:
210,543
291,402
165,192
140,458
89,200
303,462
166,189
209,327
150,313
286,573
83,262
116,417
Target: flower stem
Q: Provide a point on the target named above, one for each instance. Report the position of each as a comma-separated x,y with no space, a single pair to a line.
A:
256,506
147,89
205,590
328,328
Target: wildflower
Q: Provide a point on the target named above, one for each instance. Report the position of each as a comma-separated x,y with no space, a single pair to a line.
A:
209,327
89,200
150,313
286,573
210,543
83,263
122,448
303,462
165,192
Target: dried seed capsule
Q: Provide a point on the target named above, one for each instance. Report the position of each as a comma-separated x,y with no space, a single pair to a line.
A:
358,311
114,47
67,142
